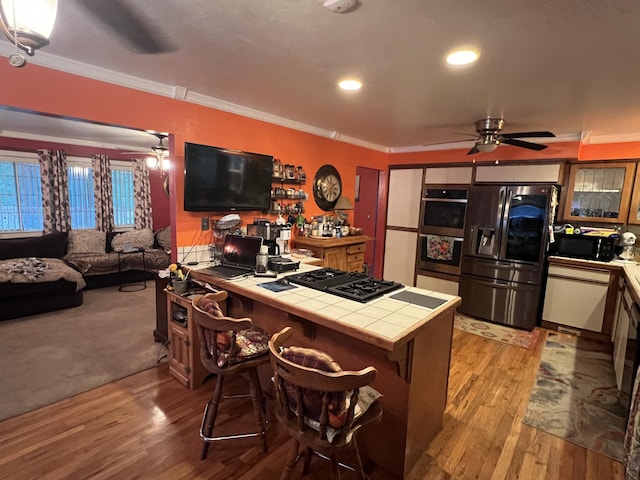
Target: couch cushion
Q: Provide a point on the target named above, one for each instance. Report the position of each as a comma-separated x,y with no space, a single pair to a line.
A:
140,238
163,237
51,245
87,241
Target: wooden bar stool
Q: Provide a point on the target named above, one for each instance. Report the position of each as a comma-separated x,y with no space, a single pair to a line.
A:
322,406
230,346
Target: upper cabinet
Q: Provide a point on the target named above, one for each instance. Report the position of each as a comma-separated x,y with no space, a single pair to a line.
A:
448,175
634,208
403,203
516,173
600,193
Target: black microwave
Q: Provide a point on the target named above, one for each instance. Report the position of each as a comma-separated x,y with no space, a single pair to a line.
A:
589,247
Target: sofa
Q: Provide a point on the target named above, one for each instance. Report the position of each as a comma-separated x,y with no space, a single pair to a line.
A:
50,272
112,258
34,278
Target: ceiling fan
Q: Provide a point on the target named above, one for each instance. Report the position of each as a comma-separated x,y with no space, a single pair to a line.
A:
158,155
489,137
129,25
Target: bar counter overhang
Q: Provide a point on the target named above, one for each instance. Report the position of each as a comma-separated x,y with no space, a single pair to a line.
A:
412,354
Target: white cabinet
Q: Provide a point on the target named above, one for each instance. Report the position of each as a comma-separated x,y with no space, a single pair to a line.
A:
405,191
437,284
448,175
400,256
621,335
576,297
519,173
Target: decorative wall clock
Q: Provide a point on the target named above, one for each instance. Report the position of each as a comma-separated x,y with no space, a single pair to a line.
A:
327,187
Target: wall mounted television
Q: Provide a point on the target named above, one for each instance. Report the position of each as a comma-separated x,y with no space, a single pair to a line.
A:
219,179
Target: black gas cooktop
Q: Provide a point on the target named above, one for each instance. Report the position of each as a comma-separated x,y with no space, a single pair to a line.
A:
352,285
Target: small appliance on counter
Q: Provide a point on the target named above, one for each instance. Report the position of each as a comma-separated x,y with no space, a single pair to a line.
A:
626,246
282,264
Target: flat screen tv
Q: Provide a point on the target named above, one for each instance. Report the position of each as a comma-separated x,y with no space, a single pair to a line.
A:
219,179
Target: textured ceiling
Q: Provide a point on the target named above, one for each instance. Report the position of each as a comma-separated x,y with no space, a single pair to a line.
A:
568,66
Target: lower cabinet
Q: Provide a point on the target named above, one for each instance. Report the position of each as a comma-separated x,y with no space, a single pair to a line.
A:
437,284
400,256
621,335
184,342
346,253
577,297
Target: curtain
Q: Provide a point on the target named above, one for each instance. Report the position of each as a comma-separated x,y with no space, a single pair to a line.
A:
142,195
55,190
102,196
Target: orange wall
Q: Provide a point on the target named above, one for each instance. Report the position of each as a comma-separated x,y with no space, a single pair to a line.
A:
51,91
46,90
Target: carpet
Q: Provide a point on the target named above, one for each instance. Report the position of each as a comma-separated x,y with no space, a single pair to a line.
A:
512,336
575,395
52,356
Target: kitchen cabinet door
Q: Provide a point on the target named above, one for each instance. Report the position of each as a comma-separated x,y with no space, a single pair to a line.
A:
448,175
400,256
634,208
576,297
544,173
405,191
599,192
621,337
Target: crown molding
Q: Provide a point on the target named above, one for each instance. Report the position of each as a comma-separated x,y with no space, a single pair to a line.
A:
177,92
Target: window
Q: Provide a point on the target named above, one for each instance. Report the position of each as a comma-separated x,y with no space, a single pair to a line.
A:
20,193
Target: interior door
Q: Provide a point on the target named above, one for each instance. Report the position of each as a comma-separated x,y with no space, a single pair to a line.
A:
366,210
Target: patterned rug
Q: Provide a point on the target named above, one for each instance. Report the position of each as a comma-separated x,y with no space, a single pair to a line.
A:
575,395
512,336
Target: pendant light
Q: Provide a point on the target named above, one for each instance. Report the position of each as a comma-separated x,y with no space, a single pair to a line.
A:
28,23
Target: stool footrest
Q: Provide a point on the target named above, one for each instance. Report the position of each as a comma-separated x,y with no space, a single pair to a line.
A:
267,422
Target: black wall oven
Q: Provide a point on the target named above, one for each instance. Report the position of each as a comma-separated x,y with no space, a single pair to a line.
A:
442,217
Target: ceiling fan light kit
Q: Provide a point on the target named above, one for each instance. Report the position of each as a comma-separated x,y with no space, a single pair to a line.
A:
339,6
28,23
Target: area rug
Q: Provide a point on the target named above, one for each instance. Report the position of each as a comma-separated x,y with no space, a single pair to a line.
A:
512,336
575,395
48,357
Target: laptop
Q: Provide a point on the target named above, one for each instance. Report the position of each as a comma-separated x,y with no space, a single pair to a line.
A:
238,257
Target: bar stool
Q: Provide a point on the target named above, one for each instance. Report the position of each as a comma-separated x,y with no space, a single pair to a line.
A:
322,406
230,346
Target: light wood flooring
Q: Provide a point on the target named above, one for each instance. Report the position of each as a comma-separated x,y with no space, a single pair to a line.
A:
146,426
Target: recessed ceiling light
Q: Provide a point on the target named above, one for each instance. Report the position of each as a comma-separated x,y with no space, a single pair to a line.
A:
462,57
350,85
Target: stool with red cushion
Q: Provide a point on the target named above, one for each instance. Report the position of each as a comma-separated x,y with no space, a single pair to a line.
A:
230,346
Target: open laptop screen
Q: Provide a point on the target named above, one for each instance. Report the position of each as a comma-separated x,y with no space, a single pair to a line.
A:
240,251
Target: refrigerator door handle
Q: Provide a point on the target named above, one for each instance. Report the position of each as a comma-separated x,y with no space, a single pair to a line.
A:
499,241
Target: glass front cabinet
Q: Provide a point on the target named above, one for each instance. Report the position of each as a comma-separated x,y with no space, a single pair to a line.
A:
601,193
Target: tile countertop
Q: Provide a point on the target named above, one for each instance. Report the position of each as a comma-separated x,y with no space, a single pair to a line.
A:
630,270
384,322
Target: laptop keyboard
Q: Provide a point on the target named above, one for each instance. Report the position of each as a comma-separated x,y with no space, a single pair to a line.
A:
227,272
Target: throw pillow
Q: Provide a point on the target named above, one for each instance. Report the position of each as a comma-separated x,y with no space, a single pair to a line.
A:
312,399
141,238
51,245
87,241
163,236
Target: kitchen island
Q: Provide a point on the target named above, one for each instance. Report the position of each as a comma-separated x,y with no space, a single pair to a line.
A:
409,345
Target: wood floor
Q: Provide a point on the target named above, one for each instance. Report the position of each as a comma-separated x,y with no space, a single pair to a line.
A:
146,426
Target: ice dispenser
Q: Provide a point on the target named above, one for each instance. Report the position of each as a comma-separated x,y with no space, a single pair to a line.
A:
485,241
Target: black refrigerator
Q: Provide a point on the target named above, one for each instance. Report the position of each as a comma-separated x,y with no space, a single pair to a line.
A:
503,262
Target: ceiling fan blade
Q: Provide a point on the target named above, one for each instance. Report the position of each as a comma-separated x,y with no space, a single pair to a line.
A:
449,141
523,144
473,150
527,135
128,25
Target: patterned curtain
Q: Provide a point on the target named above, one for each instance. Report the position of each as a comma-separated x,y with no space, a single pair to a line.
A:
142,195
103,192
55,190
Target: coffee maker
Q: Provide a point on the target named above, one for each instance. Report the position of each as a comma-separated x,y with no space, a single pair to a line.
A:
283,240
268,231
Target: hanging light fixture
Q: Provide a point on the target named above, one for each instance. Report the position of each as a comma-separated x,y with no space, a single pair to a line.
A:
28,23
160,159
